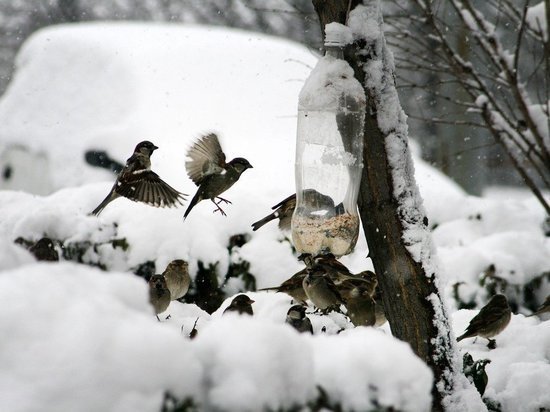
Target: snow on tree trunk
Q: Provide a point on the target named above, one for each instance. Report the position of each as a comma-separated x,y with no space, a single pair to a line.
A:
392,213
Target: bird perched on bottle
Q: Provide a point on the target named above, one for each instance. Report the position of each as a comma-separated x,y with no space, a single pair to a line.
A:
159,295
296,317
321,290
208,170
240,304
293,287
139,183
44,250
177,278
282,211
490,321
544,308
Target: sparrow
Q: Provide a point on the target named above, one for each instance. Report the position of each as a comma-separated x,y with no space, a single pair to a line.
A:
207,168
544,308
177,278
44,250
360,306
282,211
241,304
139,183
296,317
490,321
159,294
293,287
320,289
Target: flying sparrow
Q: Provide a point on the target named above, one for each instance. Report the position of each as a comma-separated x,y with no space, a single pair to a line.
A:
282,211
177,278
209,171
544,308
320,289
240,304
296,317
44,250
490,321
159,295
293,287
139,183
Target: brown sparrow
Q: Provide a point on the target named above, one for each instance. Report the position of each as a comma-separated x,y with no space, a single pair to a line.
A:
282,211
139,183
293,287
490,321
296,317
159,295
320,289
209,171
177,278
240,304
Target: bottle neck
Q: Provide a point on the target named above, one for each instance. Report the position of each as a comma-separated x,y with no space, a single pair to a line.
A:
334,51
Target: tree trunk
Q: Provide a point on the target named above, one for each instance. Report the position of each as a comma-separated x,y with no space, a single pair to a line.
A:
410,295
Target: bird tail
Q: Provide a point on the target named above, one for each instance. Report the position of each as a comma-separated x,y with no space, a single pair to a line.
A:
196,199
463,336
261,222
272,288
102,205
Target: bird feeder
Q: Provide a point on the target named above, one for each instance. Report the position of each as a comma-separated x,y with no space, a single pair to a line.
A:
329,152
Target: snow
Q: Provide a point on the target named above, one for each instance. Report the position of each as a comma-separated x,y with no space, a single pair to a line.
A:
77,338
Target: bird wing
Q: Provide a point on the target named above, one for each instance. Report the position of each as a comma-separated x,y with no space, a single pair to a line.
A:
147,187
282,202
205,158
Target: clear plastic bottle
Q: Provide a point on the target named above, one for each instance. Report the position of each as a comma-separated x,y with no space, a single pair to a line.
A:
329,153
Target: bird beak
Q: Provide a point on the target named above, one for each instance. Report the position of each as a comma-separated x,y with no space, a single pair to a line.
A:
252,301
155,147
250,166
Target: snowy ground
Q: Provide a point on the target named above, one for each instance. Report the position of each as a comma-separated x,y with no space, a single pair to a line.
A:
77,338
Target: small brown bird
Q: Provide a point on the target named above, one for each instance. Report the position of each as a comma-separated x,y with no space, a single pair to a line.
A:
321,290
293,287
44,250
282,211
296,317
159,295
360,306
209,171
240,304
490,321
177,278
139,183
544,308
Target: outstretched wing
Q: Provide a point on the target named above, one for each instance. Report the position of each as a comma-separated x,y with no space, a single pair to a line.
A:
147,187
205,158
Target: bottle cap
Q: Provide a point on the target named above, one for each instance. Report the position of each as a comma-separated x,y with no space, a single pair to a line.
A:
337,35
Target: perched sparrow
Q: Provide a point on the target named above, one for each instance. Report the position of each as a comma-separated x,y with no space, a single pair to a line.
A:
159,295
240,304
293,287
320,289
44,250
296,317
490,321
209,171
282,211
177,278
544,308
139,183
359,303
